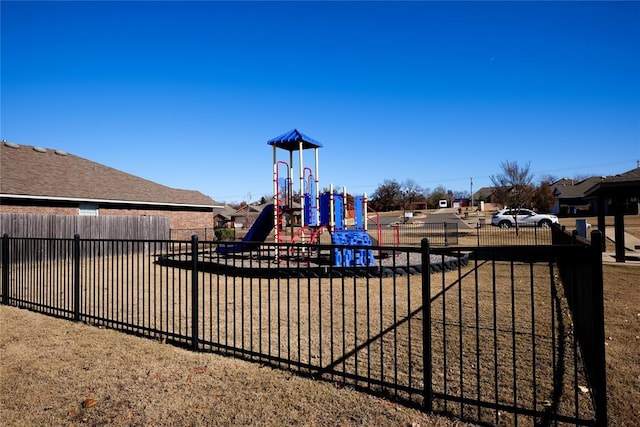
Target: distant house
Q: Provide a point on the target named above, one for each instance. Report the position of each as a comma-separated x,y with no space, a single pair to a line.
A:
570,196
484,198
35,180
576,197
246,215
224,216
618,193
484,194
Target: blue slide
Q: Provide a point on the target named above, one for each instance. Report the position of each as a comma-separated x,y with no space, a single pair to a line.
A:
257,233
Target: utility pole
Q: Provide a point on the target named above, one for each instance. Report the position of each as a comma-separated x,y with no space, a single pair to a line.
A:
471,193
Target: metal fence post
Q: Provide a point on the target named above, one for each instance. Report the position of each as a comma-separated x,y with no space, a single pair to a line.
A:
5,269
426,326
76,277
599,376
194,292
446,235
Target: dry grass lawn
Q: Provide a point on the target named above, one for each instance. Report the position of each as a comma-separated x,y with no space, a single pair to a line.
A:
56,372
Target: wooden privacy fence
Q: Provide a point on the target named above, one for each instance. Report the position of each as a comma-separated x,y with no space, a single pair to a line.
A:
87,227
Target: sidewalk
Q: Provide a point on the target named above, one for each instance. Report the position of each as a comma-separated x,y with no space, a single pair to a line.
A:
631,244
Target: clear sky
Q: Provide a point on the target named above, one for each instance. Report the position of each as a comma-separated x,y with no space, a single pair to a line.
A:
186,94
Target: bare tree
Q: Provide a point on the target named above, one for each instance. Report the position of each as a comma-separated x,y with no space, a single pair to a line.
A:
513,187
548,178
411,192
461,195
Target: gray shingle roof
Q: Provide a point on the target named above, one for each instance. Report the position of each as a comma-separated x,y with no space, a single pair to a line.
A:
34,172
569,189
627,183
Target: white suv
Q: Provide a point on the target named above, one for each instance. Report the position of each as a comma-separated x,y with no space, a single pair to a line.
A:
526,218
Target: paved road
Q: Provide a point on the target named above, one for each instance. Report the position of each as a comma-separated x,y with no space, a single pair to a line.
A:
437,217
446,215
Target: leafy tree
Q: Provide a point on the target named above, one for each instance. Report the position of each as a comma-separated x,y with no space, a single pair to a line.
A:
543,198
387,196
513,187
438,193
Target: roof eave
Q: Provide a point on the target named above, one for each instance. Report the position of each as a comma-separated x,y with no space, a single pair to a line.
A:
119,202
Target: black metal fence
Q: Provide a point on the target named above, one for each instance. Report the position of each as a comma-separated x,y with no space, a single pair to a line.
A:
479,333
488,235
411,234
581,275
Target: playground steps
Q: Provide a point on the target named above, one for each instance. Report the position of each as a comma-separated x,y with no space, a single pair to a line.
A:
352,257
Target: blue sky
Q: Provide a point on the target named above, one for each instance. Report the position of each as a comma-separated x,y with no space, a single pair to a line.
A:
186,94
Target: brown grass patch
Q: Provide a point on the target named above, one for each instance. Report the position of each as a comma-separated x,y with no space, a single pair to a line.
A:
59,372
56,372
622,329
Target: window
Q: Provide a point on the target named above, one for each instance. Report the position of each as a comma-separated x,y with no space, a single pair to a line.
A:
88,209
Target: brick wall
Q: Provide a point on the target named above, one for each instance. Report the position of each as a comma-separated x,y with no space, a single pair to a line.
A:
179,219
38,210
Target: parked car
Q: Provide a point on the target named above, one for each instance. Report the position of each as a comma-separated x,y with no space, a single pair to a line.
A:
526,218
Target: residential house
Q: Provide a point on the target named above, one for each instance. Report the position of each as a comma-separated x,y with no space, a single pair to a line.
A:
617,194
570,197
36,180
576,197
246,215
484,198
224,217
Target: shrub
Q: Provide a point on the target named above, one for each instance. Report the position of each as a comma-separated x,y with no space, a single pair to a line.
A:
225,233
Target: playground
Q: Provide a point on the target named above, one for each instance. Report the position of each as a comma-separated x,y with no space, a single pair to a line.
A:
305,212
299,216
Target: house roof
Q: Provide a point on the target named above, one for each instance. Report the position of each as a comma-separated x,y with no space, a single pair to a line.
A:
226,211
250,209
484,193
624,184
30,172
569,189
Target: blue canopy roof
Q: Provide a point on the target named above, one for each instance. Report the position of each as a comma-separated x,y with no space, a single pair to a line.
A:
291,141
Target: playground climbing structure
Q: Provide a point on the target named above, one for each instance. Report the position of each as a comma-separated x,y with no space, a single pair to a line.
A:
315,213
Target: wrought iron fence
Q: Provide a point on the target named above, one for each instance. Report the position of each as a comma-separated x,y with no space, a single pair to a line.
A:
411,234
581,275
478,333
488,235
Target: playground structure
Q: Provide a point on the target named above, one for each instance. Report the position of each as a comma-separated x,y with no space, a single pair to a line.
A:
314,213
